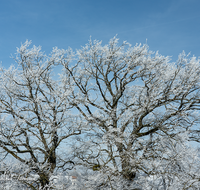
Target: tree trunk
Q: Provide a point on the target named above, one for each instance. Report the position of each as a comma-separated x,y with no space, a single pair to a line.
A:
44,181
127,168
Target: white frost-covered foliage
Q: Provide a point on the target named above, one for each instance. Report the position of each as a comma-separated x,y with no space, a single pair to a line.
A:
124,113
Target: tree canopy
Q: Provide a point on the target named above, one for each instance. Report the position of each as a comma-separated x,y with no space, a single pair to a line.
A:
125,114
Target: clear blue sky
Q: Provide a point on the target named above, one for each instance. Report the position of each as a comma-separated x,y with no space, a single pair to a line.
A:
169,26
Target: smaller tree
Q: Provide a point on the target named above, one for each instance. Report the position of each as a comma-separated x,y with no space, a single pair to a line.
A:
34,114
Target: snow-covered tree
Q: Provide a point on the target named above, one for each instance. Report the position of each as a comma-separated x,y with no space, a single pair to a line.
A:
34,117
126,112
135,103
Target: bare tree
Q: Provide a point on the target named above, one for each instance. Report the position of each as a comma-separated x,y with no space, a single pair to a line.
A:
131,99
35,120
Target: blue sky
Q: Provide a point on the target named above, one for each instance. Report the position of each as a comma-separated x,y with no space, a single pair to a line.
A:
170,26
